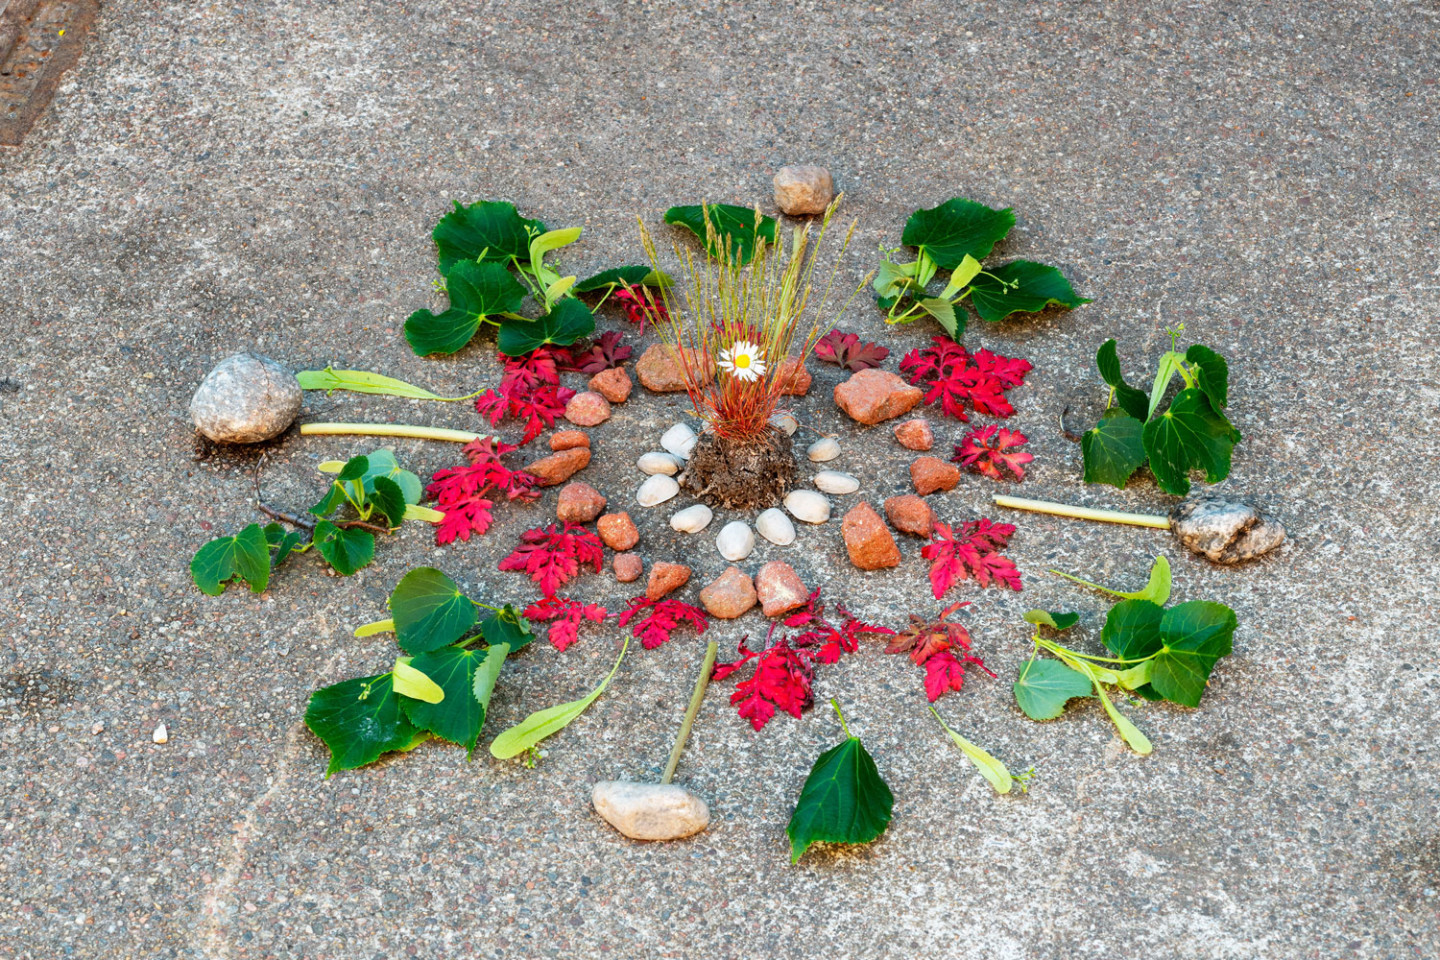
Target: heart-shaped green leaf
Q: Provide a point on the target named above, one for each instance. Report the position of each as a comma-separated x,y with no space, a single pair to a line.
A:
459,716
956,229
1212,372
1045,686
490,228
739,224
429,611
635,276
1191,434
1194,635
1113,449
359,720
345,550
1132,629
844,800
507,626
1131,399
568,321
389,501
477,292
1035,287
245,555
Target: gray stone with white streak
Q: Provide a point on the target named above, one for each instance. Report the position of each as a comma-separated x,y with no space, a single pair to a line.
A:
246,398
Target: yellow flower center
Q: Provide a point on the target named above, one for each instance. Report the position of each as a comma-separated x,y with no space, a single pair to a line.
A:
742,361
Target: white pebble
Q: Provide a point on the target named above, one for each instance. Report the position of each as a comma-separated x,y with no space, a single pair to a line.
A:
161,734
680,440
807,505
657,489
656,462
786,422
736,540
833,481
692,519
826,448
776,527
650,811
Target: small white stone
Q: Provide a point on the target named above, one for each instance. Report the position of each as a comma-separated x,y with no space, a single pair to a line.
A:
807,505
657,462
657,489
98,728
776,527
736,540
161,734
786,422
650,811
826,448
833,481
680,440
692,519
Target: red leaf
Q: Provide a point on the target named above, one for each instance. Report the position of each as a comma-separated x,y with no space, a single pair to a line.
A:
934,645
529,391
552,556
463,492
640,306
664,616
952,376
607,352
972,551
564,616
846,350
988,449
782,680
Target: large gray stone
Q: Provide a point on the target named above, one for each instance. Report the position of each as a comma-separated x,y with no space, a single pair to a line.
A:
650,811
1225,531
246,398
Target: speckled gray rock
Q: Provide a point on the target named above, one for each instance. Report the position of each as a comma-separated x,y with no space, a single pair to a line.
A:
1223,530
650,811
246,398
803,190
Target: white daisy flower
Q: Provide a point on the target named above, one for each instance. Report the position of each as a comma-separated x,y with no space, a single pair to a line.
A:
742,360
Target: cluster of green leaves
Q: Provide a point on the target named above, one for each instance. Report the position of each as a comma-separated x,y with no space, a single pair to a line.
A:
1191,432
956,236
722,224
491,259
1157,653
844,800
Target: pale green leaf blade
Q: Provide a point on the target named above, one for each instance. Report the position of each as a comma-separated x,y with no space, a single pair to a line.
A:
361,381
944,313
371,629
552,240
1157,590
1053,619
990,768
1045,686
961,276
543,723
487,674
412,682
459,716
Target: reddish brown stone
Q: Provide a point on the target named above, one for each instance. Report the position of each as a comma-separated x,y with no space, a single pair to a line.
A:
729,596
569,439
618,531
779,588
560,466
613,384
872,395
931,473
579,503
910,514
628,567
915,434
793,377
665,577
868,539
587,409
658,369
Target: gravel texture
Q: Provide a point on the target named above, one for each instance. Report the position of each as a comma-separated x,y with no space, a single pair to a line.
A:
219,177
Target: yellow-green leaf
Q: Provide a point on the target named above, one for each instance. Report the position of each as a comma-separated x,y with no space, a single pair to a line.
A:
410,682
990,768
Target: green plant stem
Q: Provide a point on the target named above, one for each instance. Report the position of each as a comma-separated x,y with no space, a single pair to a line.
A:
388,430
1083,513
836,704
1058,650
701,683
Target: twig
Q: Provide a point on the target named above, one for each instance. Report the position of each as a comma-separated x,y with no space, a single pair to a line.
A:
304,523
706,669
1064,430
1083,513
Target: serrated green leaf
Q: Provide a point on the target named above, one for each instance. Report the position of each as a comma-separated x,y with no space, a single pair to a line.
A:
412,682
1113,449
459,717
568,321
543,723
990,768
844,800
737,223
487,674
382,463
354,469
634,276
1132,629
1043,687
389,501
362,381
944,313
507,626
1132,400
429,611
1212,374
1040,286
490,228
358,720
1191,434
956,229
1194,636
245,555
477,292
345,550
893,280
1052,619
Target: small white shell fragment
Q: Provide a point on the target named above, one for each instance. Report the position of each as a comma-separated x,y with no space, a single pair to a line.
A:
826,448
657,462
774,526
736,540
680,440
807,505
657,489
692,519
833,481
161,734
786,422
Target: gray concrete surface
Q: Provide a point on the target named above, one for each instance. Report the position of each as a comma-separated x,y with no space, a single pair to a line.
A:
221,176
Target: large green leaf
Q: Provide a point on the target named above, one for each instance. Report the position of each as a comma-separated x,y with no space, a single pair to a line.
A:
507,626
1113,449
1194,636
490,227
1044,687
359,719
429,611
1132,629
736,223
1191,434
245,555
477,292
568,321
542,723
1212,372
956,229
634,276
459,717
345,550
1038,286
844,800
1131,399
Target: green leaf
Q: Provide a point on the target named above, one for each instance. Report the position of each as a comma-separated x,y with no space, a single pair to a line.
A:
1039,286
459,716
477,292
361,381
331,502
359,720
552,240
1052,619
371,629
736,223
283,542
424,514
1132,629
1130,733
893,281
382,463
944,313
542,723
960,278
1113,449
1157,590
1212,373
1137,676
245,555
507,626
1194,636
429,611
568,321
354,469
345,550
844,800
990,768
487,673
956,229
1164,373
1132,400
415,683
389,501
634,276
1191,434
490,228
1045,686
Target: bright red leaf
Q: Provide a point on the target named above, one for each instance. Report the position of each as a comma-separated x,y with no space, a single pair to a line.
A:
846,350
942,648
640,306
954,377
988,449
552,556
529,391
464,493
564,616
606,352
656,620
970,552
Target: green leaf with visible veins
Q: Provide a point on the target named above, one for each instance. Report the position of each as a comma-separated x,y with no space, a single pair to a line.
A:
1040,286
382,463
283,542
945,314
1194,636
429,611
1132,629
490,227
245,555
1188,435
635,276
508,627
1132,400
389,501
956,229
1212,372
543,723
729,220
359,720
1113,449
1045,686
487,674
567,321
345,550
477,291
459,717
1052,619
844,800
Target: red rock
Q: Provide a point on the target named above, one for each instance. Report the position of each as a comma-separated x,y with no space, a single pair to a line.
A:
931,473
628,567
659,371
587,409
579,503
569,439
868,539
665,577
915,434
560,466
779,588
729,596
618,531
794,378
872,395
613,384
910,514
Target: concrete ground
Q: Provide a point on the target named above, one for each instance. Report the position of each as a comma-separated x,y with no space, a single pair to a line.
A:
213,177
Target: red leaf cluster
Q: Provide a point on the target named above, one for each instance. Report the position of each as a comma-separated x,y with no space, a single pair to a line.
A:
606,352
942,648
972,551
463,493
846,350
640,306
656,620
564,616
955,377
988,449
552,556
530,391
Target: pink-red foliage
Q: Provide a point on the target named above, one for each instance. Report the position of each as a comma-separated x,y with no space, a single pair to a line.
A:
972,551
564,616
656,620
464,493
529,391
955,377
552,555
988,449
640,306
846,350
942,648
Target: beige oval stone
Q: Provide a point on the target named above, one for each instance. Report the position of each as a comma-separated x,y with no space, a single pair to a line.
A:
650,811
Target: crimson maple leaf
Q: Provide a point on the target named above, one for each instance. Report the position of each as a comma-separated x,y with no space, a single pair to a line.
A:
846,350
664,617
955,377
942,648
988,449
552,556
971,551
640,306
564,616
828,642
529,391
463,493
782,680
606,352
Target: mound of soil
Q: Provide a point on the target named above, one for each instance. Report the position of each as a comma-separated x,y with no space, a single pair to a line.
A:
741,475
